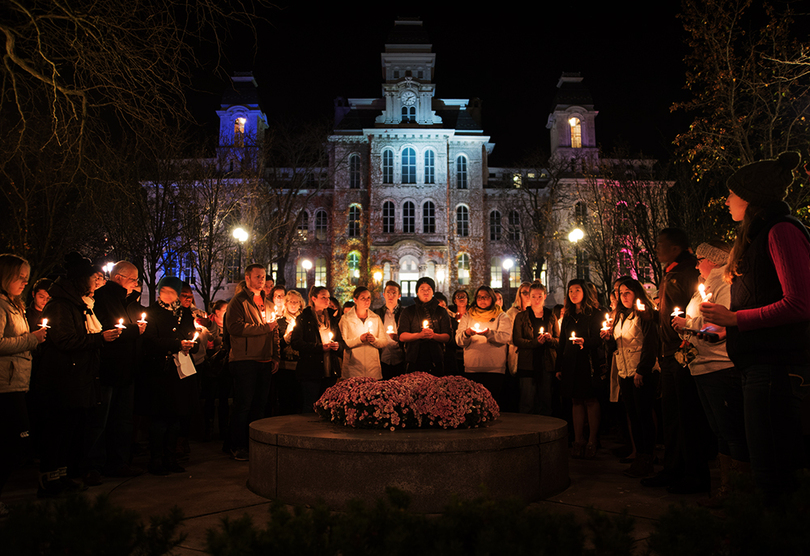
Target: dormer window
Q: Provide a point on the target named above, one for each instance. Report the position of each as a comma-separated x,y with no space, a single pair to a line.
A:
576,132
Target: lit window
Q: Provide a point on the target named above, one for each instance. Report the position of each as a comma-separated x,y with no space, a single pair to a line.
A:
187,270
461,172
239,132
272,272
576,132
388,217
321,224
429,218
408,218
388,166
354,221
354,172
430,167
463,269
463,221
353,262
495,272
408,166
303,226
517,180
625,263
514,225
514,276
320,272
644,267
300,275
495,226
622,219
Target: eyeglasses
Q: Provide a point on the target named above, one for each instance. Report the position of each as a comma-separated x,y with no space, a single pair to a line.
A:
483,297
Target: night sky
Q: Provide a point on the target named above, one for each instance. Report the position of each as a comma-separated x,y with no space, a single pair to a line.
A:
629,53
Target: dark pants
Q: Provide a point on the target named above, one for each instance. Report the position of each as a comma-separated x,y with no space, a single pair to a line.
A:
109,430
62,433
722,398
535,393
491,381
698,444
311,390
673,456
251,390
772,427
638,403
14,433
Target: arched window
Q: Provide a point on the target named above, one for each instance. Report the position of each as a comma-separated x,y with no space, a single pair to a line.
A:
581,214
644,266
463,221
461,172
408,218
408,165
463,269
495,272
514,226
495,226
239,132
388,166
388,215
641,216
576,132
353,262
321,225
514,274
430,167
354,221
429,218
303,225
625,263
320,271
354,171
622,219
408,114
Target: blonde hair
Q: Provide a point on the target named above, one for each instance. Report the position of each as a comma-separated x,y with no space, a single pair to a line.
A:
10,268
518,302
293,294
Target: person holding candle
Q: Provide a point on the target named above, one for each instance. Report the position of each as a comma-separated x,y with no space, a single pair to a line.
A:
578,360
632,342
461,301
169,333
66,382
364,334
768,321
253,358
317,338
684,469
286,385
16,346
534,334
111,442
485,332
39,297
278,295
392,358
718,382
424,328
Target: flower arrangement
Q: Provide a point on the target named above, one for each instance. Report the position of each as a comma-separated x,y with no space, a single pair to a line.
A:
416,400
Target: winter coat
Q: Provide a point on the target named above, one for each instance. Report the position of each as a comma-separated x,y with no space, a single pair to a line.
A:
524,337
306,340
362,359
485,353
120,358
16,345
252,339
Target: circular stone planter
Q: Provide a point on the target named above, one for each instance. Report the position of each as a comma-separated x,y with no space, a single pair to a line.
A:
302,459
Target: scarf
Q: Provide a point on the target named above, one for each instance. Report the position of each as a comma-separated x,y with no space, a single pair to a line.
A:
485,314
90,321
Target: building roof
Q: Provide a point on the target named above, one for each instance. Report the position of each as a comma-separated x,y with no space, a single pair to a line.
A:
571,91
408,30
243,91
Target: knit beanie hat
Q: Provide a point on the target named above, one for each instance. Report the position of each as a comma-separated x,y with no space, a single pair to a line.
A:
78,267
761,183
714,254
426,280
171,282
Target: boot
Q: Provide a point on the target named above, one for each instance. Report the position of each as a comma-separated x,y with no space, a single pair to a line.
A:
50,485
641,466
719,498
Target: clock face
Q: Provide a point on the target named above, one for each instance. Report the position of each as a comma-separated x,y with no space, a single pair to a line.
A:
408,98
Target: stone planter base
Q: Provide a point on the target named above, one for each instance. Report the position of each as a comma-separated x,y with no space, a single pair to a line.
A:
301,459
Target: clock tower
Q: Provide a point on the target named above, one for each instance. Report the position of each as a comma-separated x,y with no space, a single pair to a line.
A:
408,87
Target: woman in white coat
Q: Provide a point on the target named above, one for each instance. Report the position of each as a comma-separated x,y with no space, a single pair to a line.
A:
364,334
485,332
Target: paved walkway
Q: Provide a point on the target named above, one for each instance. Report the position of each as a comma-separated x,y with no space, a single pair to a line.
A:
214,486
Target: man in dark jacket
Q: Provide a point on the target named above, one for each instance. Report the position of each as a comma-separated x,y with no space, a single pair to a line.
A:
111,429
687,437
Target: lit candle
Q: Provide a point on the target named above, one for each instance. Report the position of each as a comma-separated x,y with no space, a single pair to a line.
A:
291,325
677,312
390,329
331,336
703,295
44,324
143,318
425,324
605,326
639,305
607,317
541,331
120,324
477,328
196,335
573,336
369,324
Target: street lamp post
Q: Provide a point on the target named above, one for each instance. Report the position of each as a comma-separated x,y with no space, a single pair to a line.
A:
574,237
241,235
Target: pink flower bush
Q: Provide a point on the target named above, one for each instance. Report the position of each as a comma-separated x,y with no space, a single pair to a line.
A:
408,401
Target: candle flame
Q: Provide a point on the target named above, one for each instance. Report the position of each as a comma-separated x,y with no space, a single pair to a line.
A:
639,305
44,323
541,331
196,335
573,335
425,324
331,335
677,312
390,329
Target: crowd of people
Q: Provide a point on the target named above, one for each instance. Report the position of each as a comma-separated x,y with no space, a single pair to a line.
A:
722,345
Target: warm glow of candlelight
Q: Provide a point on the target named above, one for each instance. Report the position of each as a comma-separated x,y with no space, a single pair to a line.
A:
196,335
703,295
44,324
390,329
143,318
677,312
331,335
425,324
291,325
477,327
639,305
369,324
120,324
541,331
605,326
573,336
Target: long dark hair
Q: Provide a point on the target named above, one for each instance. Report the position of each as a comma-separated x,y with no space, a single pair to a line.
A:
589,302
639,293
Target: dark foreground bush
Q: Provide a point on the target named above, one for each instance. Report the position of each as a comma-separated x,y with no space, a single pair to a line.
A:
79,526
